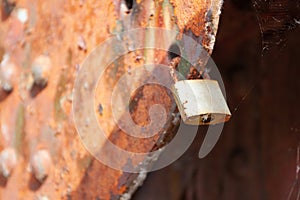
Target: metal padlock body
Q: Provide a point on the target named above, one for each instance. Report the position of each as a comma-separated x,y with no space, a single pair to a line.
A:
201,102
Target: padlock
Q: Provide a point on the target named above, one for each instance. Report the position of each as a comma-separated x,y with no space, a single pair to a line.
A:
201,102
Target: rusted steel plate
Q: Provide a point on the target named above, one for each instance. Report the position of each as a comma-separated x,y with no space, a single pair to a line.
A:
37,121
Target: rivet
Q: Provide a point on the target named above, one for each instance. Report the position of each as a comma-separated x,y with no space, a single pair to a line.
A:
41,70
7,74
41,165
8,161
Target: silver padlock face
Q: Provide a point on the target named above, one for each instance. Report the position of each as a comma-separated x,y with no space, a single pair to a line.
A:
201,102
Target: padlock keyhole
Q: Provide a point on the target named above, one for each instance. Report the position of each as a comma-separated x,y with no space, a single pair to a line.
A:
206,118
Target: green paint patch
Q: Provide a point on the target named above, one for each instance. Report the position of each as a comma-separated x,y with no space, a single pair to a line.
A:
19,131
84,162
184,67
59,114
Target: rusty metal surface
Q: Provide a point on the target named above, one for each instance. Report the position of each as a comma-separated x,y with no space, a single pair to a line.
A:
36,119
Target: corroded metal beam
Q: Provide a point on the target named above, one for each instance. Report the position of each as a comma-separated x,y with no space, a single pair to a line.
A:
36,120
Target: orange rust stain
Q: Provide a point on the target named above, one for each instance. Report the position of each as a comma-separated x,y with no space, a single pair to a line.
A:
53,28
122,190
190,14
